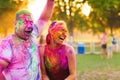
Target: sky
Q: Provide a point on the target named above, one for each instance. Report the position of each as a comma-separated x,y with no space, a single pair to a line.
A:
36,7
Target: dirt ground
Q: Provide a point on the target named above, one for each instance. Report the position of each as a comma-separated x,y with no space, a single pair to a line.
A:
99,75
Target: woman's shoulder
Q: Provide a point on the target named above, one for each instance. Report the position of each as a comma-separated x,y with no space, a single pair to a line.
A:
69,48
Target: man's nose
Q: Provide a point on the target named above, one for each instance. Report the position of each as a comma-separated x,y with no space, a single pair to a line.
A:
29,24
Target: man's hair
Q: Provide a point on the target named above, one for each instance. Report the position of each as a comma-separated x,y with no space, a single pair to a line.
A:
20,12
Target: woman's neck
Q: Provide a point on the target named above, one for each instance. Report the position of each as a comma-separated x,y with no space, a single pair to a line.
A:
54,46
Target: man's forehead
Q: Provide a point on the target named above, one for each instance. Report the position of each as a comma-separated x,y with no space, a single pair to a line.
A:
25,16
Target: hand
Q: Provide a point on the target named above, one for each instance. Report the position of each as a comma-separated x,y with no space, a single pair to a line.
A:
51,0
45,77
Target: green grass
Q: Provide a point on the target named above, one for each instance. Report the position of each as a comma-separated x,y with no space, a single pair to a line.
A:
92,63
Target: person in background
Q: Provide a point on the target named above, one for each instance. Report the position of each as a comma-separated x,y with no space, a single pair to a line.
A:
109,47
19,54
58,60
114,42
103,45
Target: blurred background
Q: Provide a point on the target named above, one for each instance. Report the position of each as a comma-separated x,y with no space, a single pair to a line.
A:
86,20
82,16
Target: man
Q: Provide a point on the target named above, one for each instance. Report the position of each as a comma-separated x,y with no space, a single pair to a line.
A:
19,54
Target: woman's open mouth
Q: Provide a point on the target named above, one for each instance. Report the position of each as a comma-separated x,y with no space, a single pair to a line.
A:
62,38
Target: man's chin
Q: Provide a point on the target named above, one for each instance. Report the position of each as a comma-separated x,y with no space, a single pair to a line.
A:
26,37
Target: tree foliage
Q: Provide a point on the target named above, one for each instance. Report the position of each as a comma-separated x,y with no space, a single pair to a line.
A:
70,11
8,9
106,13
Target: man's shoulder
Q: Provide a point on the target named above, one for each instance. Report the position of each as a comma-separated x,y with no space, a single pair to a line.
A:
6,40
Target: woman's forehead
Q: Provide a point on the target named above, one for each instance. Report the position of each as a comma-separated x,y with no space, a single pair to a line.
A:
61,27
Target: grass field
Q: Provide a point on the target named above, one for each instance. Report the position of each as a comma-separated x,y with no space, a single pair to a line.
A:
92,67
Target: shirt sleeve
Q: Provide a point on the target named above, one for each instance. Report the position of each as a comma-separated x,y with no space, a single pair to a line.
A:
5,50
35,30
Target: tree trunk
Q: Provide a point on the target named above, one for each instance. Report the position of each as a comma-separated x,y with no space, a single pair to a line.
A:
111,29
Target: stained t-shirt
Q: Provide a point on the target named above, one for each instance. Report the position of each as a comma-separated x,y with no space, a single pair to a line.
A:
56,63
23,58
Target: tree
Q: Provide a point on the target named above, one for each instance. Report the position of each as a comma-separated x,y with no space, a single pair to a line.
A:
105,13
7,13
69,11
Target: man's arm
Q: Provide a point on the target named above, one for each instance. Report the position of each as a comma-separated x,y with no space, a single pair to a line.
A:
3,65
45,15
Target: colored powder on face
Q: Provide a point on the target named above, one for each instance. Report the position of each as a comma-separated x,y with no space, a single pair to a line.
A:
20,21
28,18
24,20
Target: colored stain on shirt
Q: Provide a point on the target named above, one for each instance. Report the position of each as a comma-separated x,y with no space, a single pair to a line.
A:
23,58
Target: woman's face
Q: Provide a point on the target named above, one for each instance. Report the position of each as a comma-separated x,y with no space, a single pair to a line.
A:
59,34
24,26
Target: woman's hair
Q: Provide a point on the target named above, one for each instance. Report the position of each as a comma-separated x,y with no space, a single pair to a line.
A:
48,37
52,27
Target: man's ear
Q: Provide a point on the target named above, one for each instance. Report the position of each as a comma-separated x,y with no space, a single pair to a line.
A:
15,23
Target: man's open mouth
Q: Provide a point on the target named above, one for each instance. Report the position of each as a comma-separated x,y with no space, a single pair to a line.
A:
28,31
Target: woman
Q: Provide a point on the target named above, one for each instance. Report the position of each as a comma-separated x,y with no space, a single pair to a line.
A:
109,47
58,60
103,45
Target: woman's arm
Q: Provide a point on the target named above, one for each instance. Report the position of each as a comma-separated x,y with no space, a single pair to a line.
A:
71,63
42,64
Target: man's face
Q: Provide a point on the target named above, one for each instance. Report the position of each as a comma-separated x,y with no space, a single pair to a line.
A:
24,26
59,34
